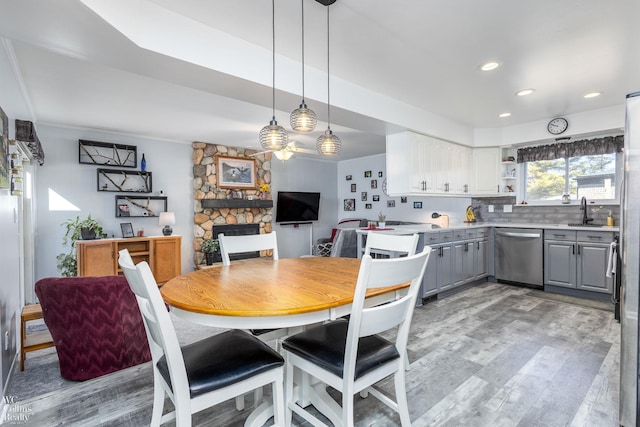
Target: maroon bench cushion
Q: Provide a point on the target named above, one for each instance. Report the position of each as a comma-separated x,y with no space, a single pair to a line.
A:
95,324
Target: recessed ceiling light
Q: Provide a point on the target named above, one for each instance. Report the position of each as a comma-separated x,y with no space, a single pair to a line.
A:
525,92
489,66
503,115
592,94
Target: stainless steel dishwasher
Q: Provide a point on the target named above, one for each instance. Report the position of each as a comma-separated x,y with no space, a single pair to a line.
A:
518,256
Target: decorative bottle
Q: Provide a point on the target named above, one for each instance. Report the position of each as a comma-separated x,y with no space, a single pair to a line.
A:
143,164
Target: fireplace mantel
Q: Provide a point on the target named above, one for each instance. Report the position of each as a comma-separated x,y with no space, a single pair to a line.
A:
236,203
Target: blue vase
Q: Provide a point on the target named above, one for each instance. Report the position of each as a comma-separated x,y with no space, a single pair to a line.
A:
143,164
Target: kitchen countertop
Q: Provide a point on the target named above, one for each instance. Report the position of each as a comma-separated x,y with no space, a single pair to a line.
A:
427,227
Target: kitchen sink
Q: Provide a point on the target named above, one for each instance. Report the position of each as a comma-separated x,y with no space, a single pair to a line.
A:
585,225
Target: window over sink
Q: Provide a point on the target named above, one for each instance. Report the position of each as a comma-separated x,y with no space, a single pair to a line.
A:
551,171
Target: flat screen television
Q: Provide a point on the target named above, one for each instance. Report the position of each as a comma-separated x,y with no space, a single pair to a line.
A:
296,206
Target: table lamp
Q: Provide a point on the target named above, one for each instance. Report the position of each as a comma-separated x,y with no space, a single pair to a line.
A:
167,219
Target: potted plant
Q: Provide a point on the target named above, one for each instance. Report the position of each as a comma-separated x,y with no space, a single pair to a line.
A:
381,220
210,247
76,229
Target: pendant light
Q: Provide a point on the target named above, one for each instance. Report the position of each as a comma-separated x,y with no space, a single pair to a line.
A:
303,119
272,136
328,144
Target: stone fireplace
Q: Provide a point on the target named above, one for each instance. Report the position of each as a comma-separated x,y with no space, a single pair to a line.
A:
214,207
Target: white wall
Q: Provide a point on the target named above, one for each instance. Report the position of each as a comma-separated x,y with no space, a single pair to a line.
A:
452,206
62,178
305,175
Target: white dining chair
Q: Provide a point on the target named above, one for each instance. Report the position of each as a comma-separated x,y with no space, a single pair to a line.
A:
207,372
391,244
230,245
249,243
350,356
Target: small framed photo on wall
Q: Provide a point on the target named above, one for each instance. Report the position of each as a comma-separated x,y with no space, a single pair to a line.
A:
417,205
363,197
391,203
376,198
349,204
353,188
349,177
380,174
374,183
367,206
367,174
403,199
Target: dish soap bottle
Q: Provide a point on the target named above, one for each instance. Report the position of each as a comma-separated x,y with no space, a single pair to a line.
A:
610,220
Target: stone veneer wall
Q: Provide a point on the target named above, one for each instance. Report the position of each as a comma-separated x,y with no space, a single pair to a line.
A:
205,187
550,214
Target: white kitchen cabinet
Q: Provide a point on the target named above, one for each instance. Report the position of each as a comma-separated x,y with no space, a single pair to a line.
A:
409,164
423,165
461,167
486,170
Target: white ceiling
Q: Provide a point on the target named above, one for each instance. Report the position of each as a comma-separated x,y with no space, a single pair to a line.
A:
78,70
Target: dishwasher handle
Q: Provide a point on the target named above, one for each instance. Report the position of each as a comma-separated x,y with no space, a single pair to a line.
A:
516,234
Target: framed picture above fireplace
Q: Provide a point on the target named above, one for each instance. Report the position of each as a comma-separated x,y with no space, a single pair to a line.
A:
236,172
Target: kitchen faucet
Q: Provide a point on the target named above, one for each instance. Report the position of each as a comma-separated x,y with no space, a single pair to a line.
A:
583,208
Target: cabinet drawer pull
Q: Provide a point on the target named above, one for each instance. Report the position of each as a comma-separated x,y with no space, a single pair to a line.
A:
573,249
595,237
559,235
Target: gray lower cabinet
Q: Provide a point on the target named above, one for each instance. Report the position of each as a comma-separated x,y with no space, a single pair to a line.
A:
577,260
481,261
457,257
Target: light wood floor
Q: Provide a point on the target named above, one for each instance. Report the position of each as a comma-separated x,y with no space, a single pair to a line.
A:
493,355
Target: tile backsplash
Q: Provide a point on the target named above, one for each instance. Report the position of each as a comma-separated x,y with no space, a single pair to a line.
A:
555,214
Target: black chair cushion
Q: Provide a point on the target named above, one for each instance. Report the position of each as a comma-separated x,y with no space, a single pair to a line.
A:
324,346
222,360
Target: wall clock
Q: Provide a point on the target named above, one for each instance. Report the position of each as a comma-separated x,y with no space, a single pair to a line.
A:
557,126
384,187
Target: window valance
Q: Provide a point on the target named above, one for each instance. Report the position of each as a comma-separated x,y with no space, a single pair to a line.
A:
26,132
584,147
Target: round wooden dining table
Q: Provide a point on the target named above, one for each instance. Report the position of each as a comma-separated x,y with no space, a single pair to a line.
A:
266,294
272,294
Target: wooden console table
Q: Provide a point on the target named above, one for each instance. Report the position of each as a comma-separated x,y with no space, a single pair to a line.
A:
100,257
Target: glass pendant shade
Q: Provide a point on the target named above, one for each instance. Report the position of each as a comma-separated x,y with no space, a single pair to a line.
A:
273,136
303,119
328,144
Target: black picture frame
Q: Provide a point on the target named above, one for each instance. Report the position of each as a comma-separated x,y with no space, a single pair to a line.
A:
127,229
417,205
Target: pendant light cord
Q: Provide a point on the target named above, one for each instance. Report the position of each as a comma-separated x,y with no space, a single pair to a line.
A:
302,2
273,62
328,91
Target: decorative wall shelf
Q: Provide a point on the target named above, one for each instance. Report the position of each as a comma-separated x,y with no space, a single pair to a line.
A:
107,154
236,203
140,206
124,181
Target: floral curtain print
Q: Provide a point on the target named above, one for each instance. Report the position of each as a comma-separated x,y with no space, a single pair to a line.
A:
584,147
